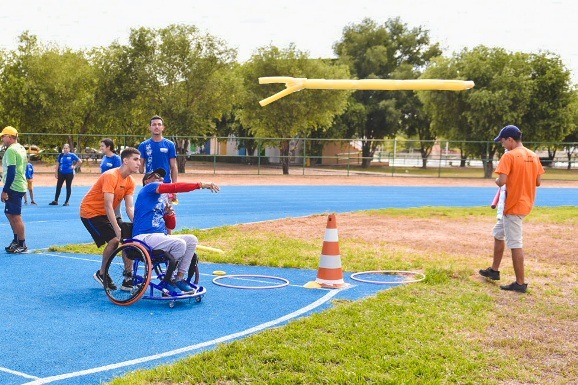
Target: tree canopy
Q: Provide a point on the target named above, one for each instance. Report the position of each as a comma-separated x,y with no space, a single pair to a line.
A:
388,51
296,115
532,91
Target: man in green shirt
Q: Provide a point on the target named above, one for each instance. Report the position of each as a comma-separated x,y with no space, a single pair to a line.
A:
14,178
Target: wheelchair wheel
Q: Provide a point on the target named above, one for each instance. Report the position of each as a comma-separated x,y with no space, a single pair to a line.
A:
135,255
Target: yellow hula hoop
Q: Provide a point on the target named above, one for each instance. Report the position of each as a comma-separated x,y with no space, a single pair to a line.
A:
213,249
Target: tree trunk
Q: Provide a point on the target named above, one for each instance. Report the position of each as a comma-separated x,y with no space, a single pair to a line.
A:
424,156
182,147
284,151
366,154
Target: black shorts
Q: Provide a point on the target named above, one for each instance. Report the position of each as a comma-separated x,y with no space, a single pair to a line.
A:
101,229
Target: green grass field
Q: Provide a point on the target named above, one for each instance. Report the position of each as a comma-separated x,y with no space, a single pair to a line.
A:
451,328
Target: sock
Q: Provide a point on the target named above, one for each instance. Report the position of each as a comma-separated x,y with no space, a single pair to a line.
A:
15,238
21,242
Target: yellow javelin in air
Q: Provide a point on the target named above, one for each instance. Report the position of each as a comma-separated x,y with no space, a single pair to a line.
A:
297,84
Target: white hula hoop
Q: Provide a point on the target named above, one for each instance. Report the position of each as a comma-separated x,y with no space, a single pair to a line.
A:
419,276
284,282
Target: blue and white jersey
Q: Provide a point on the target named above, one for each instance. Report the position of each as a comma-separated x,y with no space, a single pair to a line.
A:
66,162
29,171
158,155
149,210
109,162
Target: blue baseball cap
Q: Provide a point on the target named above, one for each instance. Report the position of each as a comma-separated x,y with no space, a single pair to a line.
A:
509,131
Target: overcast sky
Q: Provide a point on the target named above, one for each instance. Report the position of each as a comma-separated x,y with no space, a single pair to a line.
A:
313,25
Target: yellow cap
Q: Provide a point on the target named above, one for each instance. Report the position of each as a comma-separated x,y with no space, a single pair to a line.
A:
9,130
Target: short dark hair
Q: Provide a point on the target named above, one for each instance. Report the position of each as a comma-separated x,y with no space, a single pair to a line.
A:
156,117
108,143
127,152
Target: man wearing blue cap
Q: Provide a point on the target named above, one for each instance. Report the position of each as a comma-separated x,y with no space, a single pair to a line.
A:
520,171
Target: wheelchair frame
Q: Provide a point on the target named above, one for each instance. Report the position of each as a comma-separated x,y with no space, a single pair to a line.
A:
148,268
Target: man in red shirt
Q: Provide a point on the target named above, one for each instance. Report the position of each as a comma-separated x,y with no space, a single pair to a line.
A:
520,171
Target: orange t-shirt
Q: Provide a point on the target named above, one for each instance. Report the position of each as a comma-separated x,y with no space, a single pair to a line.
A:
522,167
111,181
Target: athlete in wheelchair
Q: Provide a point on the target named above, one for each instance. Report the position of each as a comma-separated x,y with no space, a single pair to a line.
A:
159,260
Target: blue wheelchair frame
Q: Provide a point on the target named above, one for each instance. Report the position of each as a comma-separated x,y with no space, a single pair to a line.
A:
148,267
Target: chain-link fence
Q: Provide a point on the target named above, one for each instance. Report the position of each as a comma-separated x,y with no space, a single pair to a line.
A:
313,156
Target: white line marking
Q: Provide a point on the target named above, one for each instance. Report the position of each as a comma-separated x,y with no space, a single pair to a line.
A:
18,373
219,340
70,257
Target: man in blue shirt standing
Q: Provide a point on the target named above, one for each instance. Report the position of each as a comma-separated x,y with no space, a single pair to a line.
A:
158,152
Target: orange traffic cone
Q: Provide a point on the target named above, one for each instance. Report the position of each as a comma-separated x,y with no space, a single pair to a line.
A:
330,274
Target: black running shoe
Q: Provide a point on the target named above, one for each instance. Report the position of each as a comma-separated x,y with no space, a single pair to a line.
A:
490,273
515,286
99,278
10,248
19,249
127,282
53,203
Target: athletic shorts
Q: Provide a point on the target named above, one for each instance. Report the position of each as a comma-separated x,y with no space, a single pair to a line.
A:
101,229
513,230
498,231
13,205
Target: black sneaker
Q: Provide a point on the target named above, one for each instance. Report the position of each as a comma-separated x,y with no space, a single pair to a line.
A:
490,273
515,286
127,282
99,278
10,248
53,203
19,249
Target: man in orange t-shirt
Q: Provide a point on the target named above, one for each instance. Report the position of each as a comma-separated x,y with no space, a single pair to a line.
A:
97,209
521,172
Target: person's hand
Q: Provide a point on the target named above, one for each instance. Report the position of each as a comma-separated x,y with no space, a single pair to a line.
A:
211,186
118,233
4,196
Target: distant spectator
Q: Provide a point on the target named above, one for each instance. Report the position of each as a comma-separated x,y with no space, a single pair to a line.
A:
65,165
30,180
110,159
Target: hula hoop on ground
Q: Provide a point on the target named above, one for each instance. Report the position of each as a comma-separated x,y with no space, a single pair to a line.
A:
419,276
207,248
284,282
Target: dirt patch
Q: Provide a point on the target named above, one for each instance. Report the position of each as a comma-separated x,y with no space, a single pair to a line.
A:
538,328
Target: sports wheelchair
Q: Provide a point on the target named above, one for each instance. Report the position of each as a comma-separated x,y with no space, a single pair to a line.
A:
147,269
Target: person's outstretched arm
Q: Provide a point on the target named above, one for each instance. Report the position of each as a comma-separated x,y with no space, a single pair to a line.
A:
185,187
